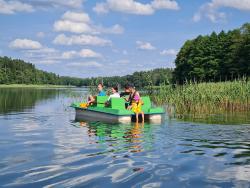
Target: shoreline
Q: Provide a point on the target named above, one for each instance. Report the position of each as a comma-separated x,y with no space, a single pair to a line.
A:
34,86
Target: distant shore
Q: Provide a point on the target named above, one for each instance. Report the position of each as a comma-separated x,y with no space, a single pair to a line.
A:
34,86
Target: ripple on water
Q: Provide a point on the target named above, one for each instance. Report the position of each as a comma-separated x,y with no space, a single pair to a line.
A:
45,147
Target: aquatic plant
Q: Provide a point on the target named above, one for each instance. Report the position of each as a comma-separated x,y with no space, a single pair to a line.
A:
206,98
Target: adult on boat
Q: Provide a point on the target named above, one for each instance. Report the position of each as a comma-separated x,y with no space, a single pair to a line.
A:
101,92
135,103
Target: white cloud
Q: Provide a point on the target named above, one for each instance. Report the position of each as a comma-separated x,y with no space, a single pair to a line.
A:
210,10
89,53
74,27
76,16
69,54
101,8
79,22
144,45
11,7
44,55
25,44
165,4
81,40
85,53
89,64
169,52
134,7
115,29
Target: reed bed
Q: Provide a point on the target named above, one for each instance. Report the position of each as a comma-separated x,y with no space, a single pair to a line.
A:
205,98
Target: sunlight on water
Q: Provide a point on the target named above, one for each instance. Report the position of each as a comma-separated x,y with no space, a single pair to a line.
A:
43,146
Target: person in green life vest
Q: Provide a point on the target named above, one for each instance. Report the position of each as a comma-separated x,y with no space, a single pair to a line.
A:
101,92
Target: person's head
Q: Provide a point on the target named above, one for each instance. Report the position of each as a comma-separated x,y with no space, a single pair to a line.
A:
114,89
131,88
126,88
100,87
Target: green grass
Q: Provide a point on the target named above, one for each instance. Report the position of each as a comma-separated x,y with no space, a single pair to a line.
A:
32,86
206,98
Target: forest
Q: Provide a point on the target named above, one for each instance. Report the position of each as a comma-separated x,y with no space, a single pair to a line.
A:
15,71
212,58
216,57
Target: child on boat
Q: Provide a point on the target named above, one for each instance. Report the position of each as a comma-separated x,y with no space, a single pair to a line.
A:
101,92
125,95
114,94
135,103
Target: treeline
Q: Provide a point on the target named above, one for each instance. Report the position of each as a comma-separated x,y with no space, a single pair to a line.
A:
216,57
140,79
15,71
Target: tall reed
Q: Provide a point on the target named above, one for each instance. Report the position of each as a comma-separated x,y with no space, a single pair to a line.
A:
206,98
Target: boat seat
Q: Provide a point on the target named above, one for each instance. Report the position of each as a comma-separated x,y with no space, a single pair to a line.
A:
146,103
118,103
100,101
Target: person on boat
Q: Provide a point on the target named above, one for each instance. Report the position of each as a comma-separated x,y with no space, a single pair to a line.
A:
135,103
101,92
125,95
114,94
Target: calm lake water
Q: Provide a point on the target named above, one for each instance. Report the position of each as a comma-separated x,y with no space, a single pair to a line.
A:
41,145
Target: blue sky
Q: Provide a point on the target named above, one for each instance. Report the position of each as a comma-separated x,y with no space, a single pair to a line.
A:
86,38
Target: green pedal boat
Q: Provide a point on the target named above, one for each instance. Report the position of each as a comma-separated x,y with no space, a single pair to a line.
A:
116,112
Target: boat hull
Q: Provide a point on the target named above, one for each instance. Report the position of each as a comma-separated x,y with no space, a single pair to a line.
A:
87,115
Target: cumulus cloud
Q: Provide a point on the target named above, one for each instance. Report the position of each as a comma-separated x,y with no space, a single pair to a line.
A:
11,7
69,54
89,64
145,45
25,44
62,39
14,6
165,4
74,27
211,11
134,7
85,53
76,16
115,29
169,52
35,52
79,22
44,55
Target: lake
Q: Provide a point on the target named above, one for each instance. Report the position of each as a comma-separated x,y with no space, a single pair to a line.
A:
42,145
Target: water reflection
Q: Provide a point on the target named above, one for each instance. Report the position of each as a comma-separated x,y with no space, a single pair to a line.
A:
134,137
19,99
45,147
226,118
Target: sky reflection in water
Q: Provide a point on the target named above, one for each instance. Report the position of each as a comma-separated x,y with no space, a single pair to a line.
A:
42,145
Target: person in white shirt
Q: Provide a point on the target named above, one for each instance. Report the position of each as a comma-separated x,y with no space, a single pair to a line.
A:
114,94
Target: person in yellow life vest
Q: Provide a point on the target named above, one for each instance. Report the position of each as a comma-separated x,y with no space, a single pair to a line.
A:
136,103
